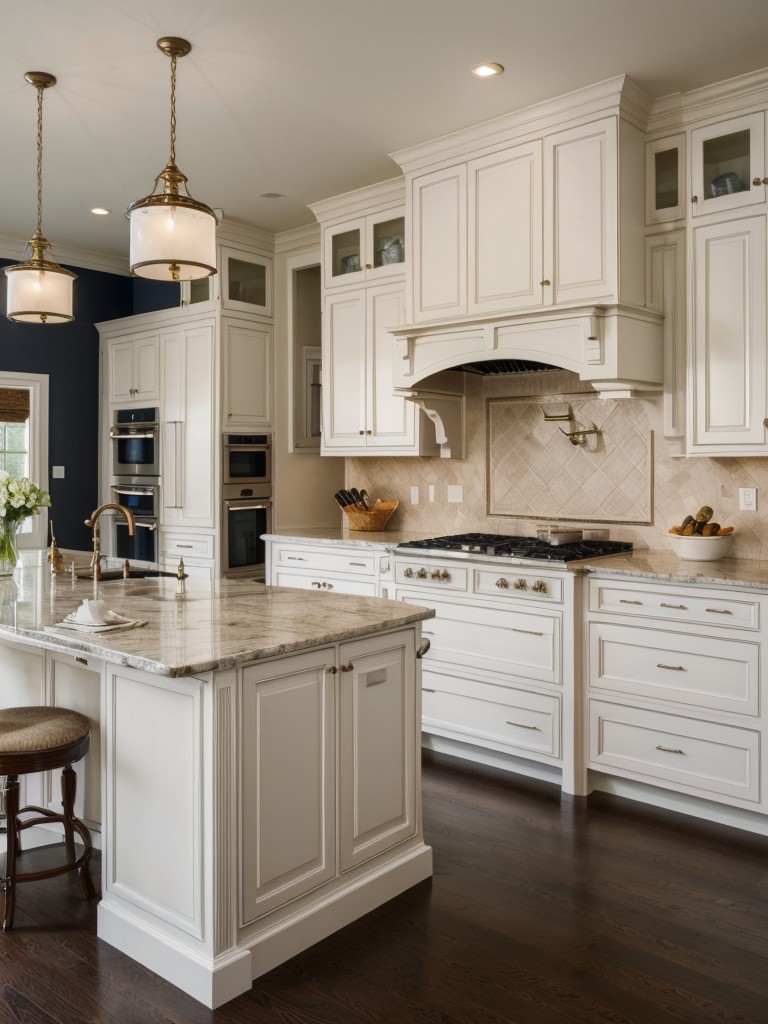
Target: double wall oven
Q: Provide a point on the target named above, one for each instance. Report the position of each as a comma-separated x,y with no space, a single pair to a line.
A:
135,439
246,503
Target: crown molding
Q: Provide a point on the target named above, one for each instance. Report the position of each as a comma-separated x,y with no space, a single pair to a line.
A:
732,95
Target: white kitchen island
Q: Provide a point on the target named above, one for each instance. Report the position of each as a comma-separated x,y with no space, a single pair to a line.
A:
254,761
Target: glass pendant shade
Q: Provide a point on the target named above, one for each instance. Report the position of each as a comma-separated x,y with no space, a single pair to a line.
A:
172,241
39,293
173,236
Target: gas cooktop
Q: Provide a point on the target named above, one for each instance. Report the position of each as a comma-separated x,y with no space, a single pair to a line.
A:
500,546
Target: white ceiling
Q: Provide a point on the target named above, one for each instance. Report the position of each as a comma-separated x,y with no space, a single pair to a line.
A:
307,97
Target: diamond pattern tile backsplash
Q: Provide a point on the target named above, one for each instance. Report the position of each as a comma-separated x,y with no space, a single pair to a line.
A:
637,489
534,471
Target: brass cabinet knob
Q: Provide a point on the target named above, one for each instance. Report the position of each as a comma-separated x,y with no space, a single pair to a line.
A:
436,574
445,576
422,574
520,584
760,181
502,583
546,282
408,572
346,668
694,199
540,587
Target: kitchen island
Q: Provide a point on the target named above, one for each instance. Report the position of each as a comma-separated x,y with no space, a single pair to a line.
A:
256,775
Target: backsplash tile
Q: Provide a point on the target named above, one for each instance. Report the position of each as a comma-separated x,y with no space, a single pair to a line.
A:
680,485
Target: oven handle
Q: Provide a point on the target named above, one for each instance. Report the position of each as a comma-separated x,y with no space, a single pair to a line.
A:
236,506
136,491
117,435
142,524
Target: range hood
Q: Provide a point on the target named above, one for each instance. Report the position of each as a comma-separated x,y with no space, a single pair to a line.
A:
617,349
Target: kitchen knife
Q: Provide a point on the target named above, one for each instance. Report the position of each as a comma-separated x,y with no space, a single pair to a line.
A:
342,499
356,496
364,497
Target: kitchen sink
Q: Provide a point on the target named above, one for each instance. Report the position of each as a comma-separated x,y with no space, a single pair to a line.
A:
108,575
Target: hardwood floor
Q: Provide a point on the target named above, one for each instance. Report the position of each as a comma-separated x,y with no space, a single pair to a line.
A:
543,909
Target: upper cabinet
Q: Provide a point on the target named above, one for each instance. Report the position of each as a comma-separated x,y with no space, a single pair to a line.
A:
246,282
529,226
134,368
665,180
728,165
366,249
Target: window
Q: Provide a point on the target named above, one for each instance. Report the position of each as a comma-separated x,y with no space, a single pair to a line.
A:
24,441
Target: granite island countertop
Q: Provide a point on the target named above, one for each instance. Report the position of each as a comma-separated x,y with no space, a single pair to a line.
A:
212,625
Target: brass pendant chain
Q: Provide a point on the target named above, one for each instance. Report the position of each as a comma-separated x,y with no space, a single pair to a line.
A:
39,233
173,110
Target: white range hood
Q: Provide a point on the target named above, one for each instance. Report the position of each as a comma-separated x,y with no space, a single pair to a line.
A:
617,349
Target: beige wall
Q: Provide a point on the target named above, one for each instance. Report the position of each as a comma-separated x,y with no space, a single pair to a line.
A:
679,486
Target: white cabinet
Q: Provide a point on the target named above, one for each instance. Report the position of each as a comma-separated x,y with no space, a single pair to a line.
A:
665,179
245,281
134,368
188,497
365,249
330,775
360,411
674,688
729,382
246,353
728,165
528,226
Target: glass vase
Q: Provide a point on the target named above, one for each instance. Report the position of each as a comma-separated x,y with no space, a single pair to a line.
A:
9,551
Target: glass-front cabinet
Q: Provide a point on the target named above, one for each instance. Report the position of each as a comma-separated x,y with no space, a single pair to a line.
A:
728,165
364,249
665,197
246,282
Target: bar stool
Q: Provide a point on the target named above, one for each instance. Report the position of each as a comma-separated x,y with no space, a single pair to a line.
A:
36,739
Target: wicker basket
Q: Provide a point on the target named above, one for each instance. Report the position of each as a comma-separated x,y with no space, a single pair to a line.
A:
375,518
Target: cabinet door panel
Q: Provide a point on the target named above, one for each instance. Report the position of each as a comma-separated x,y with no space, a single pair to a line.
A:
288,781
581,188
344,371
390,417
725,158
440,244
376,757
247,359
729,335
77,685
505,230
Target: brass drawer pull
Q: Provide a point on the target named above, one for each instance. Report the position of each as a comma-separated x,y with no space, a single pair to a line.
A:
624,600
530,632
362,564
720,611
677,607
294,558
669,750
672,668
346,668
523,725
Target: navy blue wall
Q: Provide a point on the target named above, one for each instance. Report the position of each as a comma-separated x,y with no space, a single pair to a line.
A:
69,354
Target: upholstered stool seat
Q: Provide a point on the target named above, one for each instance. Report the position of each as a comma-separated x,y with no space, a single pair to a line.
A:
36,739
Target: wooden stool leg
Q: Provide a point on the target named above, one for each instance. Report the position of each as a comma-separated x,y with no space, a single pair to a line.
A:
9,879
68,792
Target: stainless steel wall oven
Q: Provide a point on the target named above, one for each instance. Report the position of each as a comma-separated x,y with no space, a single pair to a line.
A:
143,499
247,459
135,440
246,517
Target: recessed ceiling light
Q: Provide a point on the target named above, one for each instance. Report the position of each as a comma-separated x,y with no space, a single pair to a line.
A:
100,211
487,70
271,195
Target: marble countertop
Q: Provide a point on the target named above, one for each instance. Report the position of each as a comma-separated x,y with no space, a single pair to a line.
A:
383,539
643,563
213,625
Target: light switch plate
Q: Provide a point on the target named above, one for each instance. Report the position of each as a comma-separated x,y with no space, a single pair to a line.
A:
455,492
57,472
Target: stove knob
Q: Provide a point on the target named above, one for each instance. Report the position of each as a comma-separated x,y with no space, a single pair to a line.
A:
408,572
502,583
520,584
540,587
436,574
445,576
422,574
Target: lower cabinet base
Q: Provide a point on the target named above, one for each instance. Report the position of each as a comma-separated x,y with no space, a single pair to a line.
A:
492,758
214,980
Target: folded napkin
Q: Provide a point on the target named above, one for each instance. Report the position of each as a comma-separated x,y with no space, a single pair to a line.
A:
93,616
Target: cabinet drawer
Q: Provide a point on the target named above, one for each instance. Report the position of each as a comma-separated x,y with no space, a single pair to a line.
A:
320,581
710,608
716,761
472,638
316,559
495,715
708,672
199,545
513,583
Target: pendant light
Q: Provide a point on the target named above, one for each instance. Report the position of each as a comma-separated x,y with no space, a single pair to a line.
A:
39,291
173,236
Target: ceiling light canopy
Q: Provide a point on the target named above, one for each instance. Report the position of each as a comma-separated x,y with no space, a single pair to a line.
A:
39,291
487,70
173,236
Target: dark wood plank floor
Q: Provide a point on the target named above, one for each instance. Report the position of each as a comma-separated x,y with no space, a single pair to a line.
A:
543,909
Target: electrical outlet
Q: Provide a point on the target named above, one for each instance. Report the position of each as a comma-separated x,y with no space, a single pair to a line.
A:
747,499
57,472
455,492
414,495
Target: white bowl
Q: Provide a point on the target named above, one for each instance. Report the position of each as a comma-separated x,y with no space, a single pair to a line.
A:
700,549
